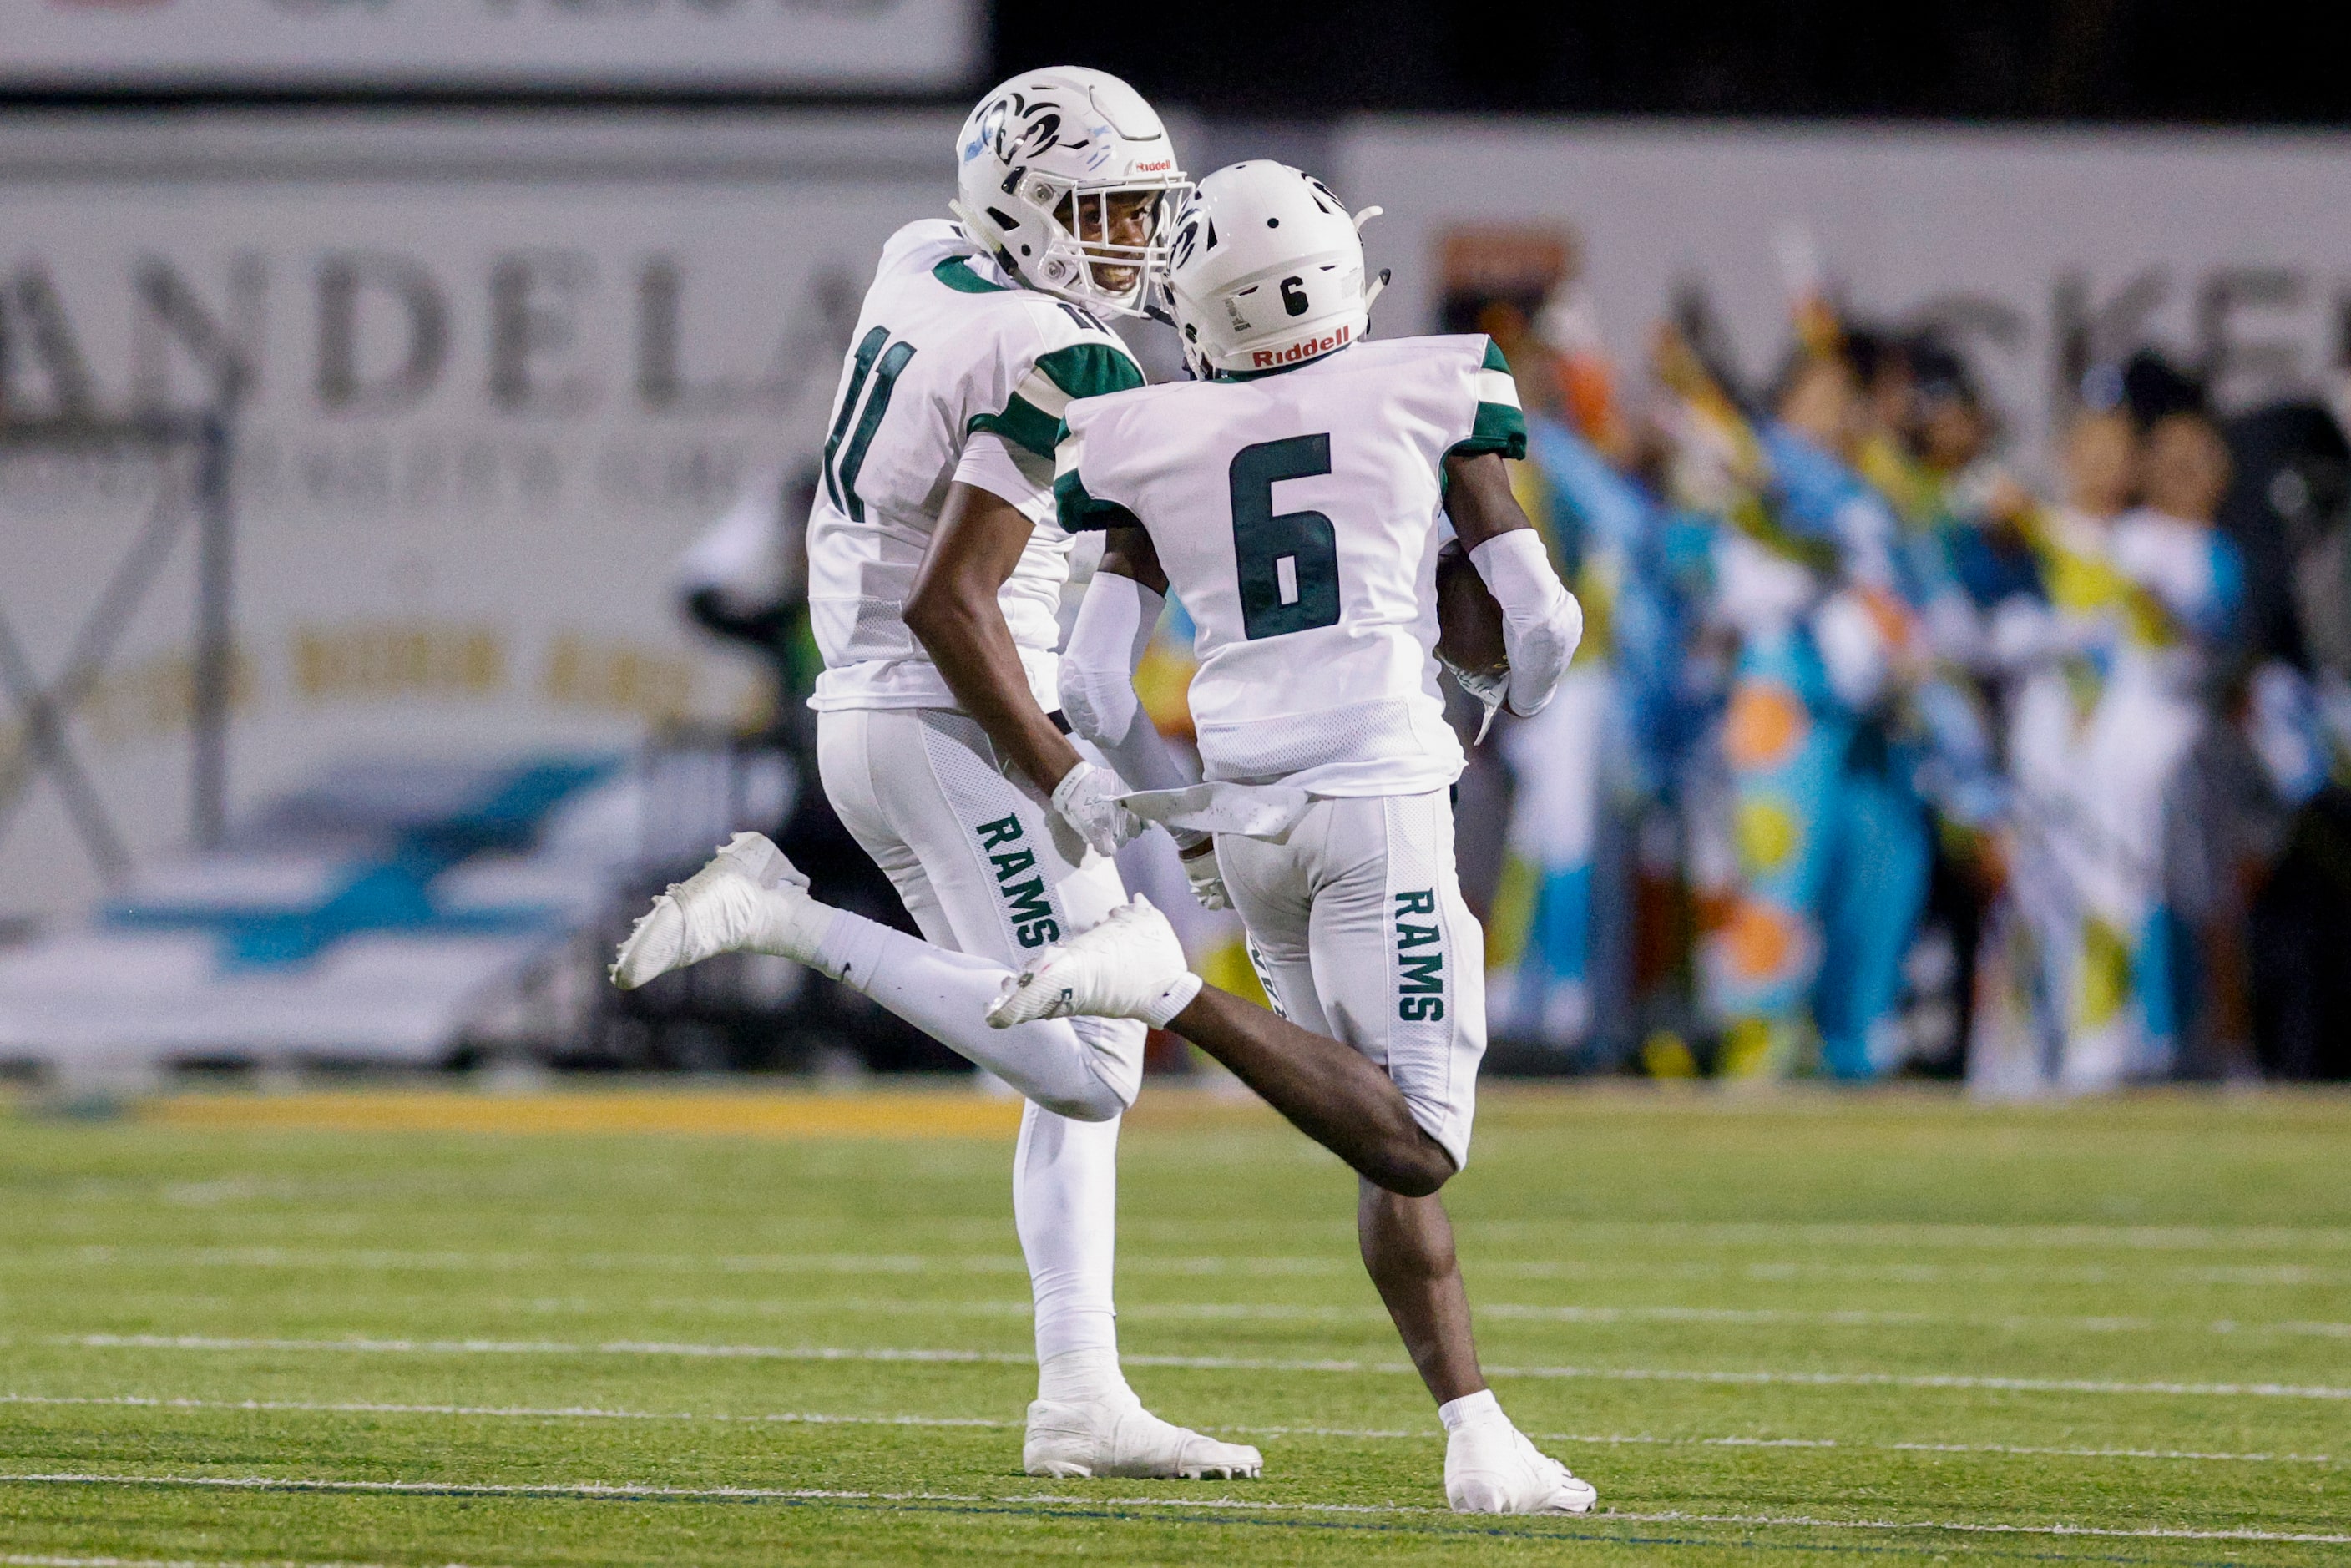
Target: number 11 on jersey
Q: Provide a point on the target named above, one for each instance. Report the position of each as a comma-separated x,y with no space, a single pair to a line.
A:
840,465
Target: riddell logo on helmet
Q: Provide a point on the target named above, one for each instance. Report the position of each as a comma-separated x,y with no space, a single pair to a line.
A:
1159,168
1264,358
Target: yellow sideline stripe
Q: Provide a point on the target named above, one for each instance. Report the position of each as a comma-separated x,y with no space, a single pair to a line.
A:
884,1115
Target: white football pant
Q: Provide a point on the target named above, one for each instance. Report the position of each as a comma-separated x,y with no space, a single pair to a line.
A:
986,868
1359,930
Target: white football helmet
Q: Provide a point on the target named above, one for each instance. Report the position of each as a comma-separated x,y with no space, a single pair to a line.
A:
1266,270
1042,163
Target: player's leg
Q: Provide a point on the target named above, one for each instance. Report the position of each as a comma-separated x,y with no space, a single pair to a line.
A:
1327,1089
1397,962
1388,947
1132,965
750,898
987,854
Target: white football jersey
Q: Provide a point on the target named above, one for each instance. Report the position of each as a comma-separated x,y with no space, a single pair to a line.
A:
1295,512
955,371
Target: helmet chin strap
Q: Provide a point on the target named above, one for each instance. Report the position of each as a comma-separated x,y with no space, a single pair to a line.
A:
973,233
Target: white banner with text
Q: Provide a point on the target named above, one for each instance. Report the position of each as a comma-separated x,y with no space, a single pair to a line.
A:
808,45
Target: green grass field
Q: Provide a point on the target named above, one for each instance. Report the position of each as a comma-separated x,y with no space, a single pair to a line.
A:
1796,1330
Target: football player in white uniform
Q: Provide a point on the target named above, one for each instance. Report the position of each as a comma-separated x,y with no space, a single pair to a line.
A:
750,898
1291,497
933,552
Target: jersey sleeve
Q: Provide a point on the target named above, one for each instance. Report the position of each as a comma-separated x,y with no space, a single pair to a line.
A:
1072,362
1008,473
1499,424
1079,510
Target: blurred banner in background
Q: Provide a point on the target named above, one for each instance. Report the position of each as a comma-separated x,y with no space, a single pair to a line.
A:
486,379
802,44
2038,254
489,376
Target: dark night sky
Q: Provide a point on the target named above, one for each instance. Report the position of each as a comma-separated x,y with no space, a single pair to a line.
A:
2191,61
2261,60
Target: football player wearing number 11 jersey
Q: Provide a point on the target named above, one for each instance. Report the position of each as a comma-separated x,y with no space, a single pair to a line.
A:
938,474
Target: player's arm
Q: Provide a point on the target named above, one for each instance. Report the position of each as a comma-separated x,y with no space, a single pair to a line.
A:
1114,627
955,613
1541,622
1107,640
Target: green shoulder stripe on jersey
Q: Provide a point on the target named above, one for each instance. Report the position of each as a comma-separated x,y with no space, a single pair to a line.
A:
1499,425
1090,370
1033,415
1080,513
1499,428
1022,423
957,275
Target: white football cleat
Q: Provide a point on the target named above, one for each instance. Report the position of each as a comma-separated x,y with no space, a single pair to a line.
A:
749,898
1115,1436
1125,968
1490,1467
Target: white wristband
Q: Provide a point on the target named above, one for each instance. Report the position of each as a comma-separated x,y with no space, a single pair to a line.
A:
1542,621
1173,1000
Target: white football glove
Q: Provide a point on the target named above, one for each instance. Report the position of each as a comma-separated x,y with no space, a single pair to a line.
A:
1491,689
1206,877
1087,798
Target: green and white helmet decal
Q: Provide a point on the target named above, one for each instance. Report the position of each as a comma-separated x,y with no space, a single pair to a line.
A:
1068,175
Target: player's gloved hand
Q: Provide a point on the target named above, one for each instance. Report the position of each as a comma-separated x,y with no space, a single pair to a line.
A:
1087,798
1201,869
1540,652
1490,687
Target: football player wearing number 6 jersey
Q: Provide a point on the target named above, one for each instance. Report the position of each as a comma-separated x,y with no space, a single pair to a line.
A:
935,571
1290,497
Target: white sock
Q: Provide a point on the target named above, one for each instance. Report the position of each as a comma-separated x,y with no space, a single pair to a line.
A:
1470,1408
1065,1206
946,994
1075,1376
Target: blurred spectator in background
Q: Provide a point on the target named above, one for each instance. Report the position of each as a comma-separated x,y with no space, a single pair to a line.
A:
2292,494
1871,757
1586,768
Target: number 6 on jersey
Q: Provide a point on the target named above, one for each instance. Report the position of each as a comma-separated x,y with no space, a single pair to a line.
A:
1289,563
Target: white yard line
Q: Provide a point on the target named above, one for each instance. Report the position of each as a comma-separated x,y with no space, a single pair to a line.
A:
799,1417
909,1264
1204,1363
1768,1270
1741,1233
1186,1311
515,1412
1750,1233
598,1490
